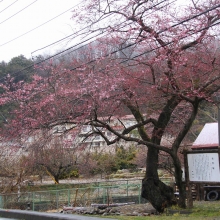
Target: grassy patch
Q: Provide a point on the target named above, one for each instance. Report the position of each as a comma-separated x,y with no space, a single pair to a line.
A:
47,187
203,210
206,209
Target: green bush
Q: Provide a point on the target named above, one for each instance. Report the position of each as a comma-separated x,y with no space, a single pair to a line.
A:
70,174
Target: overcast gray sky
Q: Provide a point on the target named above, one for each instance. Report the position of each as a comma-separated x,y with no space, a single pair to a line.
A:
18,17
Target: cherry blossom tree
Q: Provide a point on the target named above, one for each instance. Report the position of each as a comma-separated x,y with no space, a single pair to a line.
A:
158,61
53,156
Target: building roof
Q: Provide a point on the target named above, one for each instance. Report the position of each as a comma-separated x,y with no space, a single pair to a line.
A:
208,137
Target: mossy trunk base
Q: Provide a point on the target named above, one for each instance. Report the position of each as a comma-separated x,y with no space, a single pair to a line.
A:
157,193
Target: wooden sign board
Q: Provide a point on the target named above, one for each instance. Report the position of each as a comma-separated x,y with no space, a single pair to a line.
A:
203,167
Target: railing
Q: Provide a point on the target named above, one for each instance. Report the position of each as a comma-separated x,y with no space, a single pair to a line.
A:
56,199
96,192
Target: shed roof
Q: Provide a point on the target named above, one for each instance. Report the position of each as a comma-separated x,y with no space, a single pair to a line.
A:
208,137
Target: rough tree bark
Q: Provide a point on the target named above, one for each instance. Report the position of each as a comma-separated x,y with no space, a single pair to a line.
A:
153,189
180,184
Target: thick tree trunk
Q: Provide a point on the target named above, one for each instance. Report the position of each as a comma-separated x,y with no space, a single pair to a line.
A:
155,191
179,183
56,178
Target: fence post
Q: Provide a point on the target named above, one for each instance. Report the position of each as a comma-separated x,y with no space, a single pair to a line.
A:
75,197
104,192
139,194
57,199
33,195
68,197
127,188
1,202
6,201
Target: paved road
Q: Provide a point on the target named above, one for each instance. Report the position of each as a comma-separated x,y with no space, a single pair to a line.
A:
31,215
8,219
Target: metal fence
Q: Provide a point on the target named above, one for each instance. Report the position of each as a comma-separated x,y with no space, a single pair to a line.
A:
77,197
106,192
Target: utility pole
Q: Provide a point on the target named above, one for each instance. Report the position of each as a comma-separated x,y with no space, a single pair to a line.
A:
217,99
218,106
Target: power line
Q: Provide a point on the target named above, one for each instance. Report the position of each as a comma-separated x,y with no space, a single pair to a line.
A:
94,36
8,6
105,56
175,25
18,11
146,52
38,26
91,61
149,51
197,15
118,25
46,23
188,19
69,35
77,32
26,68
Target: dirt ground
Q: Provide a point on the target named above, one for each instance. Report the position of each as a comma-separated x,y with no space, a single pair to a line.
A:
136,209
